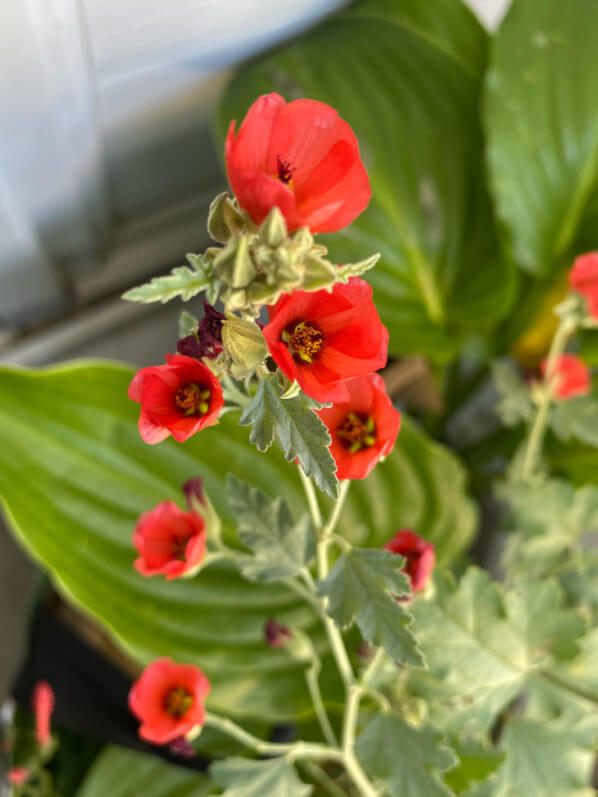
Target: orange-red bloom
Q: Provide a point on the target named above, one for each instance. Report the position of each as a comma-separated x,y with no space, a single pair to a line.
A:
17,776
42,702
322,339
583,279
168,699
178,398
300,157
571,375
170,542
363,428
419,554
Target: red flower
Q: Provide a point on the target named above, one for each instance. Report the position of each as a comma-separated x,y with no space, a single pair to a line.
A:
572,377
300,157
42,702
17,776
169,541
169,699
583,279
178,398
363,428
419,554
322,339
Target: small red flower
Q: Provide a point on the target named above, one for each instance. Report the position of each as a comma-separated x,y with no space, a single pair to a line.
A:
420,556
363,428
322,339
179,398
42,702
17,776
583,279
168,699
169,541
572,377
300,157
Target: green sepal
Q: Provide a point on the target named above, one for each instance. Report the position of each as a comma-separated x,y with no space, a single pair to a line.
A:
225,219
244,343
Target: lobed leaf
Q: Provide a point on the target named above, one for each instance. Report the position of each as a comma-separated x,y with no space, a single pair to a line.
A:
242,777
182,281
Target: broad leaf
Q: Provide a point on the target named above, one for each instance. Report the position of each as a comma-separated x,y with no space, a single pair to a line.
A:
440,275
407,759
515,404
187,324
545,760
540,118
117,772
75,475
363,586
242,777
481,646
298,430
182,281
577,417
280,546
476,763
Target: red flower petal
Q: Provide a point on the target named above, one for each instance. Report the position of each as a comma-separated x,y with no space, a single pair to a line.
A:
170,541
583,279
419,554
572,377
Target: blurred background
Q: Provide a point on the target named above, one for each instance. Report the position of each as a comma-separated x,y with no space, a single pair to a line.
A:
107,169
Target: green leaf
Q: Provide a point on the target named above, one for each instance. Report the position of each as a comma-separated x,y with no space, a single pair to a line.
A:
280,546
348,270
361,587
242,777
75,476
407,759
515,403
419,133
476,763
117,772
187,324
541,96
182,281
481,646
299,431
546,760
577,417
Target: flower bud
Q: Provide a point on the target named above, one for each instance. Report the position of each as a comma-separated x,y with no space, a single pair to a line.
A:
244,343
43,705
225,219
198,502
297,644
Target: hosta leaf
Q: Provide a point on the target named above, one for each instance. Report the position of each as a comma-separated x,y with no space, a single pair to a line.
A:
124,773
297,429
419,134
361,587
407,759
75,475
280,546
481,646
541,96
182,281
242,777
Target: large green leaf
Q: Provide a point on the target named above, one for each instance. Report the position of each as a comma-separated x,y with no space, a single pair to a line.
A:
542,127
124,773
412,98
75,475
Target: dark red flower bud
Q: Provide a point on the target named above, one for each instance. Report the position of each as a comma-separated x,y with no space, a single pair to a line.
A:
323,339
363,428
571,377
42,702
300,157
170,542
583,279
181,747
168,699
419,554
179,398
276,634
206,341
194,493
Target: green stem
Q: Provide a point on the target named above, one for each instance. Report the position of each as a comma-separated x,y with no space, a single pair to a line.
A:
373,667
312,500
293,751
338,507
538,429
311,676
326,782
352,765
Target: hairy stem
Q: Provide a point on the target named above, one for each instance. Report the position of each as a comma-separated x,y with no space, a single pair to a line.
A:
323,780
352,765
338,508
538,428
311,676
312,500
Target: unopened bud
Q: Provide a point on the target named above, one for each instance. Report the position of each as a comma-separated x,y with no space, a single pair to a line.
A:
276,634
244,342
198,501
224,219
297,644
43,705
273,230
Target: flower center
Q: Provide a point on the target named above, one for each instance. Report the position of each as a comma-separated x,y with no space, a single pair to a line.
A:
304,341
357,432
179,548
178,701
193,399
285,171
